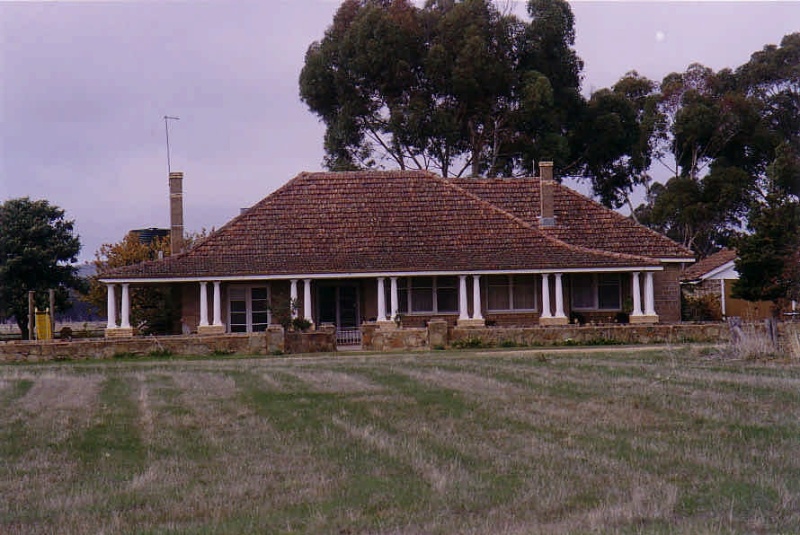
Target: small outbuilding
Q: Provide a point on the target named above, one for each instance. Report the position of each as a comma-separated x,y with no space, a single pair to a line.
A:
707,290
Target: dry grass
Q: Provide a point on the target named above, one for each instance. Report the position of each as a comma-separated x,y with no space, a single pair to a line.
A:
505,442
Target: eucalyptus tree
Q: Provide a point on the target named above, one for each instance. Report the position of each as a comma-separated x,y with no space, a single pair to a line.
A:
458,87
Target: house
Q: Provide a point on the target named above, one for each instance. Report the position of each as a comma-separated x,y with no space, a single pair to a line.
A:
410,245
707,287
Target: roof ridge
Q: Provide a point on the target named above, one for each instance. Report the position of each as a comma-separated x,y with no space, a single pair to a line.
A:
545,234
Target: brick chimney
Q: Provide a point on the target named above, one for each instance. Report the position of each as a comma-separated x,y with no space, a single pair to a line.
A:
547,217
176,212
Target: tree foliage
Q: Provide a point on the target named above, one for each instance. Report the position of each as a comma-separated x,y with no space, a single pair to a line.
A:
732,142
463,88
154,309
617,135
768,255
454,86
38,248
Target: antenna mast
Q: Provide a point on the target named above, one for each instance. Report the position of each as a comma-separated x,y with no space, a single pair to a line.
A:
166,129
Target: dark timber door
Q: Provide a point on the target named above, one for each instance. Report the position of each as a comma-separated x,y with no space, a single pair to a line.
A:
338,304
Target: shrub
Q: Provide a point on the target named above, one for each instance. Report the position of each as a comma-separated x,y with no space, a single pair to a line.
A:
700,307
160,353
301,324
577,318
471,342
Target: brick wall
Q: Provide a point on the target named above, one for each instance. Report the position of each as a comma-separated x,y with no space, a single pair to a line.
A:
667,290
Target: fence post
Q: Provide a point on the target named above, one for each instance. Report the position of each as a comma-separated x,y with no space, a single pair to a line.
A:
30,314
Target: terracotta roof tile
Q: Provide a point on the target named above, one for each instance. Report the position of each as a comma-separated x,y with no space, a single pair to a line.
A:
708,264
579,220
399,221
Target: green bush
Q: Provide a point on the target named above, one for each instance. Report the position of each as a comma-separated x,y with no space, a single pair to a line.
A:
471,342
700,307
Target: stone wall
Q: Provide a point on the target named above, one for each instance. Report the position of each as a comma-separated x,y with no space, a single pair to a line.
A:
590,335
321,341
376,338
441,334
269,342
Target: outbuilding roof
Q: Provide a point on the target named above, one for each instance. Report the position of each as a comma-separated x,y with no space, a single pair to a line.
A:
708,265
410,221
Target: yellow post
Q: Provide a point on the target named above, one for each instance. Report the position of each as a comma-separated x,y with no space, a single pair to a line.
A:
44,329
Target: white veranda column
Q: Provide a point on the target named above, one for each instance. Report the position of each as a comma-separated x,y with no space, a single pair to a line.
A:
463,314
307,299
112,307
546,312
203,304
125,320
476,298
394,300
559,297
293,297
637,295
381,300
217,304
649,298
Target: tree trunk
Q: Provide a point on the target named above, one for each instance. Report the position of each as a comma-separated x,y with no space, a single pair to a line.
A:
22,323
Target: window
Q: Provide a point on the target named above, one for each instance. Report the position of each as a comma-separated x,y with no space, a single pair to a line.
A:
421,294
426,295
598,291
248,308
447,294
511,292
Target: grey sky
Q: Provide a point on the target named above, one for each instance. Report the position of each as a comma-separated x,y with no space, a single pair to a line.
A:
85,86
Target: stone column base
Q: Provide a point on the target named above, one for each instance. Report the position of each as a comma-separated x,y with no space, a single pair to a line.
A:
471,323
563,320
210,329
643,319
387,325
119,332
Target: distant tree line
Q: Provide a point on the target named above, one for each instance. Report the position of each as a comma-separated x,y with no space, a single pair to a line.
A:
464,88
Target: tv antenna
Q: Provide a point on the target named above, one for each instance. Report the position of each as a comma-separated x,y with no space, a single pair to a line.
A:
168,118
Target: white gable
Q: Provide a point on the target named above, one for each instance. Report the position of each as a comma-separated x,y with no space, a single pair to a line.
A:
726,271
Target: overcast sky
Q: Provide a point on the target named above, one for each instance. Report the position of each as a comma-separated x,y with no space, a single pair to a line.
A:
85,86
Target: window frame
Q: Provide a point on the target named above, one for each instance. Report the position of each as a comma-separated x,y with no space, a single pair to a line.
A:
510,284
595,290
405,295
248,311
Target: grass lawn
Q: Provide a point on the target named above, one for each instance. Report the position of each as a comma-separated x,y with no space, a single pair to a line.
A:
669,441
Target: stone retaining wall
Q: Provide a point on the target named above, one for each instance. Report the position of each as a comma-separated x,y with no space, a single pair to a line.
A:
104,348
440,335
590,335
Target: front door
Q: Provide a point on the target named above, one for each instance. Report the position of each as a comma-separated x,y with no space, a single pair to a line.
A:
338,304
